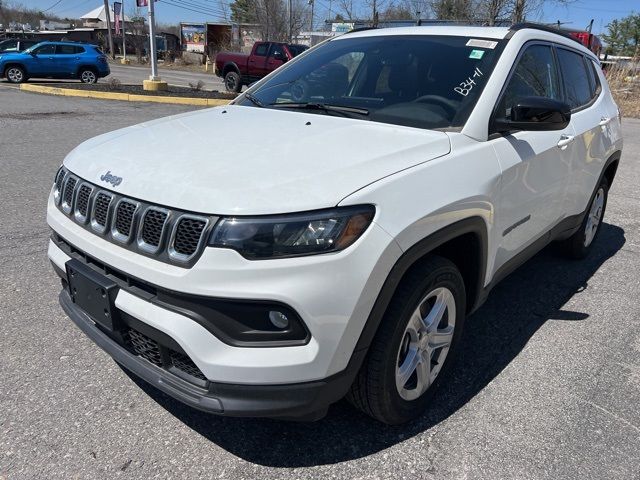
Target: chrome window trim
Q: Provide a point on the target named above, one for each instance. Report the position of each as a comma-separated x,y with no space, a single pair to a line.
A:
115,234
68,207
95,226
142,245
82,219
180,257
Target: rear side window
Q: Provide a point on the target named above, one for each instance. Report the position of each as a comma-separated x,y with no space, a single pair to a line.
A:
535,75
65,49
261,50
594,80
78,49
575,77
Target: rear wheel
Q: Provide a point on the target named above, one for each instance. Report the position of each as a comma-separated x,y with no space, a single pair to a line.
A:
88,76
412,351
232,82
16,74
579,244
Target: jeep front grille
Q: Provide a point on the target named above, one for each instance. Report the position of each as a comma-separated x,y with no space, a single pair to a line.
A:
168,235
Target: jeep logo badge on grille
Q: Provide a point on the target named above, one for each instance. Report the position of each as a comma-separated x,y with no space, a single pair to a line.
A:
112,179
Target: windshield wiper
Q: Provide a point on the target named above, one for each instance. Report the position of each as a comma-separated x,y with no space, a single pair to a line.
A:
253,99
321,106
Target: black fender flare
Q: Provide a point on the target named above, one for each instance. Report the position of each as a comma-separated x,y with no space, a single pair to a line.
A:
474,225
230,66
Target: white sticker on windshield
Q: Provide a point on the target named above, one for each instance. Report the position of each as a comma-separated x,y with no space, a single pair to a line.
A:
476,42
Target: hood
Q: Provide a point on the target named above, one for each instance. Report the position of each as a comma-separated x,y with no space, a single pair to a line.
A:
245,160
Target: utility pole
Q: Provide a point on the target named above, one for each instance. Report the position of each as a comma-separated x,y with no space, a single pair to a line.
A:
124,38
290,8
107,13
154,82
312,2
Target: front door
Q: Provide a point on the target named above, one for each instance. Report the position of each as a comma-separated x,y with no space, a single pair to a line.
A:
535,165
40,63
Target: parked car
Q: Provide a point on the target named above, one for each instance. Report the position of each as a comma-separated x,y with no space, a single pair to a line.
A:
55,60
16,45
239,69
327,235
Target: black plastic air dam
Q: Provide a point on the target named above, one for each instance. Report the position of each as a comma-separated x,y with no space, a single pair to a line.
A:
287,401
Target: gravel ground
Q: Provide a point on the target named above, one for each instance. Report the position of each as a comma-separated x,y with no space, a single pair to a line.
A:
547,387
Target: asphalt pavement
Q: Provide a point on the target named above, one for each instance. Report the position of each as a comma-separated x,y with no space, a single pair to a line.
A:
547,386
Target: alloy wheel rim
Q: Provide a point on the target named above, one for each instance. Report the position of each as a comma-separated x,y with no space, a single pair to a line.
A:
231,83
14,74
425,343
88,76
594,217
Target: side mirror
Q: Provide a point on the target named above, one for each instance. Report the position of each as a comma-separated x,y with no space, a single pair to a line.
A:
280,56
33,54
535,114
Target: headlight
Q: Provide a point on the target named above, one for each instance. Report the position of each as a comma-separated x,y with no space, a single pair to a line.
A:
293,235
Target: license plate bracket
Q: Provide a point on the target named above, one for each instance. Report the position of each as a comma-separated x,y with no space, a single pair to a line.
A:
94,293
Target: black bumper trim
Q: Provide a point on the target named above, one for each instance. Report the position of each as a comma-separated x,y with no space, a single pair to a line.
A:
298,400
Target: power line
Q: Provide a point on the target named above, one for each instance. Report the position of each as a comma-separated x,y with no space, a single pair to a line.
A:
202,8
55,4
210,13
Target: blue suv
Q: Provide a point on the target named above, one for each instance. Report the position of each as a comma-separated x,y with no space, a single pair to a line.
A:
55,60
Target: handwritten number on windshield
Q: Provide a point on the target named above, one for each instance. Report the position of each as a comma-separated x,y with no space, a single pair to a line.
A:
467,85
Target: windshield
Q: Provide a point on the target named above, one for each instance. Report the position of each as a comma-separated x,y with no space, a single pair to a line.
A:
419,81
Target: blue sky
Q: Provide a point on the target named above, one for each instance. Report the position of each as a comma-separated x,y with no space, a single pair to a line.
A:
579,13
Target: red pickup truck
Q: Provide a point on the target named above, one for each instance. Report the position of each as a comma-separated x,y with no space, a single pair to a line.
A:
239,69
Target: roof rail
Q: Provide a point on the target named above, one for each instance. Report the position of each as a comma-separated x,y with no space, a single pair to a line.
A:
360,29
545,28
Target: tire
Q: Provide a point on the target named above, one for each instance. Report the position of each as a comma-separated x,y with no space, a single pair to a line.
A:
380,389
232,82
88,75
578,245
15,74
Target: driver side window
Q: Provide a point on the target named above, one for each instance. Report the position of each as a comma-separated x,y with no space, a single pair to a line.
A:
535,75
45,50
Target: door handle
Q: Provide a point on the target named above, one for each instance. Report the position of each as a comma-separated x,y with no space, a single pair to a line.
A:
604,121
565,140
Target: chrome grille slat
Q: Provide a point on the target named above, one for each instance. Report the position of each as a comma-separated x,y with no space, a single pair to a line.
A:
68,191
152,229
81,210
170,236
100,215
123,222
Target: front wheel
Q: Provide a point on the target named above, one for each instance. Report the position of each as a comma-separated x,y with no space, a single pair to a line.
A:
88,76
412,351
232,82
579,244
16,74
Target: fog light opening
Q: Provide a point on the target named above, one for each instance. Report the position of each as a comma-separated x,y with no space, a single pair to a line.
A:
278,319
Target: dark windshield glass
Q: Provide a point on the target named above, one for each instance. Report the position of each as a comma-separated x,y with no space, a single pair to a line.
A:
419,81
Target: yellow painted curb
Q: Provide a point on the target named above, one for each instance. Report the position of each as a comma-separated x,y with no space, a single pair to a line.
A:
127,97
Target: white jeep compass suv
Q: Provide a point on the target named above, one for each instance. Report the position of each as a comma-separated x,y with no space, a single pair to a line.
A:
327,233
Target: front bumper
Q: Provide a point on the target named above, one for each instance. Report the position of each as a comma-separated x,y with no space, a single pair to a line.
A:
299,400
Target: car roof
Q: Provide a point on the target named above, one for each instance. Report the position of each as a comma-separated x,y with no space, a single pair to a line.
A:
530,30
